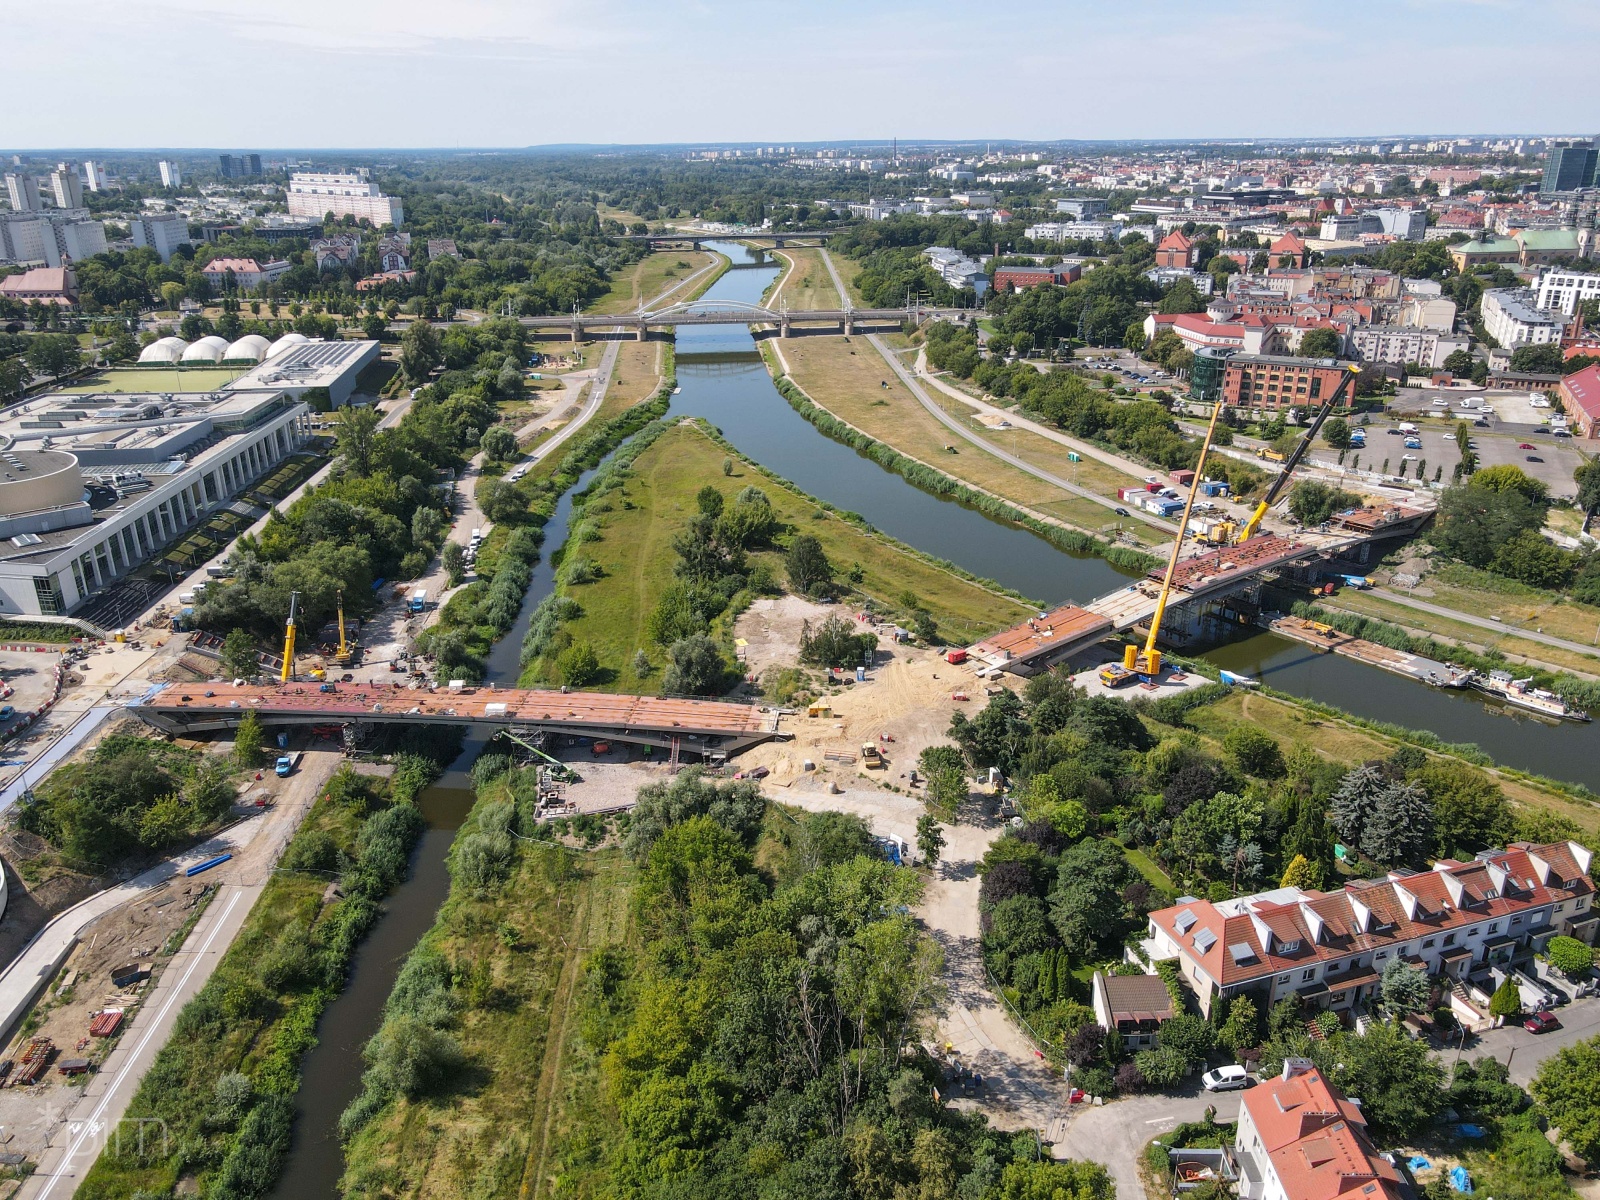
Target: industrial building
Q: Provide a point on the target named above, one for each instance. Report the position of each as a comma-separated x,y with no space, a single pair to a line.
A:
91,486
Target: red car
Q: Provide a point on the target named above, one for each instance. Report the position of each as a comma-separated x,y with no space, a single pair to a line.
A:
1524,445
1541,1022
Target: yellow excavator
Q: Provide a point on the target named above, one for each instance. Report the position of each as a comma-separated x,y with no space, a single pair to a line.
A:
287,673
1148,662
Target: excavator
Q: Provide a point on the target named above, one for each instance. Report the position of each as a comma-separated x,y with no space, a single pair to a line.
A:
1226,533
1147,663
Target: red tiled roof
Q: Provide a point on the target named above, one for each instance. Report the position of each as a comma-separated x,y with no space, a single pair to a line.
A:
1317,1141
1582,389
239,266
1373,914
1175,241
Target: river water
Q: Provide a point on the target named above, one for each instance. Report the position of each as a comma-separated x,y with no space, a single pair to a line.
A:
722,379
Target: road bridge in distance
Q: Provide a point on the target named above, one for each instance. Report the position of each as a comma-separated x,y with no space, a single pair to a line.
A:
725,312
708,729
697,238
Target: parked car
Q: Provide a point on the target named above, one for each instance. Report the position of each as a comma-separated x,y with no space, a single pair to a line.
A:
1121,512
1226,1079
1533,458
1541,1022
1524,445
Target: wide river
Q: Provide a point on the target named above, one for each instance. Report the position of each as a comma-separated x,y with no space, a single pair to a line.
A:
722,379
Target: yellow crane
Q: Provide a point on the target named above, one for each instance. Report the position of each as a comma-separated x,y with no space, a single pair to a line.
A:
343,655
288,640
1351,373
1149,662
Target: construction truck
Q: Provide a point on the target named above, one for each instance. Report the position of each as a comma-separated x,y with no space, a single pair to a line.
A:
1271,455
1114,676
871,757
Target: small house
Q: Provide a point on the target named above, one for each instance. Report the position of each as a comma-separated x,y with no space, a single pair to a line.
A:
1133,1005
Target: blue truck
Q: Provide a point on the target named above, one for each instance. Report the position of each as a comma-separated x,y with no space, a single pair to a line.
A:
287,763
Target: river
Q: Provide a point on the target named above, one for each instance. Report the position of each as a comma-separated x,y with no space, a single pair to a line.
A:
722,379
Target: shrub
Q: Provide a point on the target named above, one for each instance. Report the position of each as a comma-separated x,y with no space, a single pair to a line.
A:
1571,957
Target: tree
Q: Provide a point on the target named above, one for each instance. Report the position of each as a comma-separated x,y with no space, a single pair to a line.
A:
1506,1000
1567,1087
1312,502
697,667
171,295
1321,343
1572,958
1189,1036
1529,558
54,354
808,567
1353,803
1404,988
835,643
1053,1180
946,790
239,655
454,560
1459,362
930,838
1087,908
1336,432
1254,750
578,664
420,350
357,436
1474,522
709,501
1543,359
374,328
1302,873
1242,1029
509,381
248,739
1399,1081
501,502
1400,829
498,443
1469,809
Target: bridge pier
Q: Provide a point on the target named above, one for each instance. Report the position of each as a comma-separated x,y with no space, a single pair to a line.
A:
640,332
577,332
849,324
783,326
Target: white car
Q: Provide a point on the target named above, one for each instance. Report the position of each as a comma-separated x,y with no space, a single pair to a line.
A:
1226,1079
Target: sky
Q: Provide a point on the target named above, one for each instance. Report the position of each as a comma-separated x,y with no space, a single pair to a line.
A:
308,74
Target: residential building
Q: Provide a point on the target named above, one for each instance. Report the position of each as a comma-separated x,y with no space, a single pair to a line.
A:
1339,227
1062,231
1271,381
1485,248
171,174
1299,1139
1458,920
161,476
374,282
49,285
163,233
1081,208
957,270
1570,166
394,252
247,273
1512,317
443,248
66,187
239,166
1178,250
1565,290
1133,1005
94,175
23,192
1427,312
1289,251
1406,344
1020,279
1165,277
342,194
54,237
339,250
1580,397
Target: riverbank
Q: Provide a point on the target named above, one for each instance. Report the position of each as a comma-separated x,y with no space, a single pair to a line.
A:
628,538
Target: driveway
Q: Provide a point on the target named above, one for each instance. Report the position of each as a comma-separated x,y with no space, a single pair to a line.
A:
1525,1051
1114,1135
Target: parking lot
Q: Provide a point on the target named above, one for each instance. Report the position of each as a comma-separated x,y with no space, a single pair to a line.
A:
1514,434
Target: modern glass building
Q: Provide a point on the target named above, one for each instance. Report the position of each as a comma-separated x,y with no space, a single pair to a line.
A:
1205,377
1571,165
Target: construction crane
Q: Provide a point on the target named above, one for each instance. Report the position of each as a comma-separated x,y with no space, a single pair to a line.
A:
342,657
288,640
1352,371
1148,663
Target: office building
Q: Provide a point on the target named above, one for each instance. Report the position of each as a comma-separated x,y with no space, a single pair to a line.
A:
65,186
1565,290
1406,344
162,233
1512,317
1081,208
1271,382
1570,166
23,192
1402,224
239,166
1460,920
171,174
315,194
1298,1138
1062,231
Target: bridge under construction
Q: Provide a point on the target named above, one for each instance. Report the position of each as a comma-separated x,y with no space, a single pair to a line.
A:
707,729
725,312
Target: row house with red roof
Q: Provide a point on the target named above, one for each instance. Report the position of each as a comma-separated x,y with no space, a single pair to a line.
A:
1299,1138
1457,920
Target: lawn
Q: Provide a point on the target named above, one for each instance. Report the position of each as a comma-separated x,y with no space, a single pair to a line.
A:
1296,727
847,378
532,1111
1484,594
151,379
636,557
807,285
635,378
648,278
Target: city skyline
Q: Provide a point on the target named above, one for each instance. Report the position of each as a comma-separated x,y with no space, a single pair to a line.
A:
608,73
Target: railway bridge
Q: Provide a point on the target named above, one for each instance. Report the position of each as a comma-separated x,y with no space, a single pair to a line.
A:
708,729
725,312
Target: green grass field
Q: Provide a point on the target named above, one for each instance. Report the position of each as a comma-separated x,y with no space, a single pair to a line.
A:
132,379
636,556
648,278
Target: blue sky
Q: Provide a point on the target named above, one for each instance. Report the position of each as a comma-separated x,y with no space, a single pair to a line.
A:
311,73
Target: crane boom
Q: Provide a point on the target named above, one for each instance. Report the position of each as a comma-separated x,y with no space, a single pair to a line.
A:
288,640
1299,451
1149,663
344,645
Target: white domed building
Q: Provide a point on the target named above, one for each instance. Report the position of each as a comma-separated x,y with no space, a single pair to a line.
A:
206,350
164,350
252,347
287,342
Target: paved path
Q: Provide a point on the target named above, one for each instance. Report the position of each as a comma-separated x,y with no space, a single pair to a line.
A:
1115,1134
1499,627
958,427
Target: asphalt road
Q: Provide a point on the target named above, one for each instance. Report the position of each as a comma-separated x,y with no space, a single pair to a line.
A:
1499,627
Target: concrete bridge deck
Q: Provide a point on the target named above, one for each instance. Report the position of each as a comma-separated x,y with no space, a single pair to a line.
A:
723,312
704,727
